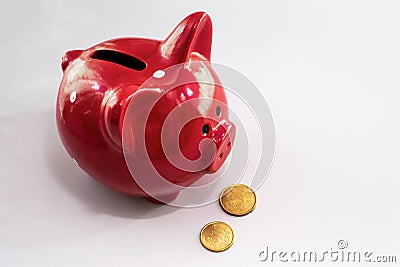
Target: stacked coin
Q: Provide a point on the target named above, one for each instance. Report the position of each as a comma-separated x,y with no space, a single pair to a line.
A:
237,200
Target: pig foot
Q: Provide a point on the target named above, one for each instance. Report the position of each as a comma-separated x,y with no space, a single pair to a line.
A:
164,199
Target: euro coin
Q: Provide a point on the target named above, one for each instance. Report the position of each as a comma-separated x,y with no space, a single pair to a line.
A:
238,200
216,236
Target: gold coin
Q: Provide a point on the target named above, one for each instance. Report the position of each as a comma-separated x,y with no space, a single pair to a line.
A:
238,200
216,236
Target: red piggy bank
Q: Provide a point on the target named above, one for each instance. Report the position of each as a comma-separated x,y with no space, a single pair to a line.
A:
102,94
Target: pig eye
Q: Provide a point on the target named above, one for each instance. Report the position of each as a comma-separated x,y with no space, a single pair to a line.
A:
218,111
205,129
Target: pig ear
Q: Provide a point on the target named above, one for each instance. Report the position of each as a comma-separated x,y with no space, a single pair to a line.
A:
192,35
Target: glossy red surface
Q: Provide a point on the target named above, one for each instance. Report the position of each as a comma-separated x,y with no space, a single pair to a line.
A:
100,82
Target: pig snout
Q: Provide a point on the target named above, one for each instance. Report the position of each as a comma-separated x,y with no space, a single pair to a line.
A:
223,137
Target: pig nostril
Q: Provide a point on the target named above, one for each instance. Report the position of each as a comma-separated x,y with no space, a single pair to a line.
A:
220,155
205,129
229,144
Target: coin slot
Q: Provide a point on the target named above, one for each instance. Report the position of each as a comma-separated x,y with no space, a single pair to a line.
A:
119,58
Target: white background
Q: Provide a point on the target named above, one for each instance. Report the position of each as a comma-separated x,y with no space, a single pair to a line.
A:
330,73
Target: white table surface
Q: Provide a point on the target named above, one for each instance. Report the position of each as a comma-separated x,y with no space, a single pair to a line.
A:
330,72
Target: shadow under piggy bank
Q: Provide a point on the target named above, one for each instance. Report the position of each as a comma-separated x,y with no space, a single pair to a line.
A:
94,195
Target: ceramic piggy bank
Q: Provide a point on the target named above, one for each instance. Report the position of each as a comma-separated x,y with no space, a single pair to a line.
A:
102,94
